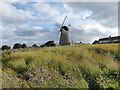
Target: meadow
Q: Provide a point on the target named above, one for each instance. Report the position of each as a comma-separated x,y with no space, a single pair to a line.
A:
77,66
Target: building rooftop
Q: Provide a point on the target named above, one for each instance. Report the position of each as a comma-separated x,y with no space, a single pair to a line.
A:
116,37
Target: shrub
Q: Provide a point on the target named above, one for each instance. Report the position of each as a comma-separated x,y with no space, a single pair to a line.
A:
49,43
17,46
24,46
34,45
5,47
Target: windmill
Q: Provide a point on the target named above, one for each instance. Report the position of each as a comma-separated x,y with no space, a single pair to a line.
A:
64,34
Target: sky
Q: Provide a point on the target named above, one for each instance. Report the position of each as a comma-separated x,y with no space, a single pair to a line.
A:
39,22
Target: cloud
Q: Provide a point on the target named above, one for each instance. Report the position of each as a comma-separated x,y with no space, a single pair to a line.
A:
30,31
85,36
89,32
60,1
28,34
19,25
45,9
32,22
10,15
104,12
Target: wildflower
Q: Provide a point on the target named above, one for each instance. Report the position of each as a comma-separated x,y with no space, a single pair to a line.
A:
29,74
37,70
42,79
5,74
43,69
29,79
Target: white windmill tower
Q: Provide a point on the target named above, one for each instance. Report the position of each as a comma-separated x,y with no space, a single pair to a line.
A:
64,35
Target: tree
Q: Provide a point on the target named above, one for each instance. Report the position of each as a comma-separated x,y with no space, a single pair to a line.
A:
48,44
17,46
34,45
5,47
24,46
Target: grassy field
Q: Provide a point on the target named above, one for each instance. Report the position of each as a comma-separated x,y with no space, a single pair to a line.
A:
82,66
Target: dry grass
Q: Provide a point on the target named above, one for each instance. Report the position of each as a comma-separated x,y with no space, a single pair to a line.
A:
81,66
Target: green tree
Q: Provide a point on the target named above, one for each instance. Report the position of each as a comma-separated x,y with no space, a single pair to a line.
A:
5,47
17,46
24,46
34,45
48,44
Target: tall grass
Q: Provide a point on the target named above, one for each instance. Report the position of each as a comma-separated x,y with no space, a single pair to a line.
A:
80,66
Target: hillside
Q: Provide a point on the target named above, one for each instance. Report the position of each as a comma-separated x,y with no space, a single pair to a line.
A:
82,66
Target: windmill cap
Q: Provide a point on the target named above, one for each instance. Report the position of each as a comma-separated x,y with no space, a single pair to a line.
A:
65,28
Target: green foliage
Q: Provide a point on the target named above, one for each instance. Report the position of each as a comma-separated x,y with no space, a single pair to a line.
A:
48,44
5,47
17,46
24,46
34,45
79,66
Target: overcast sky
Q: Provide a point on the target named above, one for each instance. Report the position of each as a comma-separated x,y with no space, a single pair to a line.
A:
36,22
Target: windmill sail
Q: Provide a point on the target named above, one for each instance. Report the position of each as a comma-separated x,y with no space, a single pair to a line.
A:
64,20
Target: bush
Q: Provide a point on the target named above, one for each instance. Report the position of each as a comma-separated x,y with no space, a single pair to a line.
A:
24,46
49,43
34,45
5,47
17,46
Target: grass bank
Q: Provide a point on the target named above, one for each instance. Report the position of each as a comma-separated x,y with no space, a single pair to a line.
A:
81,66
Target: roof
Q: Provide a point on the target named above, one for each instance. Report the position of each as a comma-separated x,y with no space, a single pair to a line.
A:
116,37
65,28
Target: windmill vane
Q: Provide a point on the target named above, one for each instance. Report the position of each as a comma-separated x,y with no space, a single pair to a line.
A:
64,20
